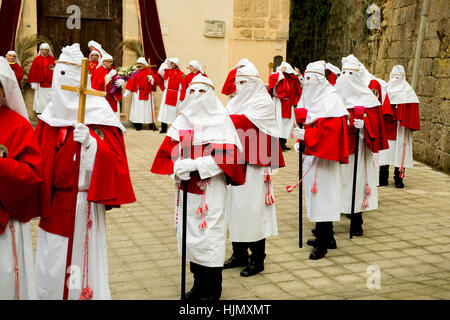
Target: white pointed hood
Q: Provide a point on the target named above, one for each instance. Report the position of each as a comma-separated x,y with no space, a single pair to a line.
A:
351,87
13,95
63,109
398,89
206,115
319,97
253,100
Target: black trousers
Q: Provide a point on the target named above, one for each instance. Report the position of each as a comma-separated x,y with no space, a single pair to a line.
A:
207,279
257,249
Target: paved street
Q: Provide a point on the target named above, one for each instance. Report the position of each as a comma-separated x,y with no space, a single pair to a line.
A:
408,238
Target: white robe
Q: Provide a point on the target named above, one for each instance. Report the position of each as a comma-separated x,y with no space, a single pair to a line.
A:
394,155
249,218
25,260
42,97
285,126
367,162
51,250
325,204
207,246
142,111
167,113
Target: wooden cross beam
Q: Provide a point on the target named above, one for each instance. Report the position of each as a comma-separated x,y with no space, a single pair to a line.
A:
82,90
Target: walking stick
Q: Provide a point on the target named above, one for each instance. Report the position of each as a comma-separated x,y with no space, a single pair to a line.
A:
185,141
300,116
359,114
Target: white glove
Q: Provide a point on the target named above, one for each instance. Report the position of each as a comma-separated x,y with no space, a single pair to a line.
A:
359,123
297,147
81,134
120,83
151,80
109,76
299,133
183,167
34,85
127,93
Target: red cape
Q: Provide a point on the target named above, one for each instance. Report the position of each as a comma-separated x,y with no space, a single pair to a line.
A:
259,148
98,83
229,87
375,134
175,79
18,71
407,114
140,82
41,71
327,138
288,90
110,182
20,171
225,155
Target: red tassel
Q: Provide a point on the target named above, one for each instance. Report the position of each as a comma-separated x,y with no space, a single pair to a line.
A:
365,203
267,176
291,188
86,294
269,199
402,173
314,187
202,224
367,189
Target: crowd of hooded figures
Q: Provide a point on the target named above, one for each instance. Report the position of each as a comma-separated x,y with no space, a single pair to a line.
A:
350,127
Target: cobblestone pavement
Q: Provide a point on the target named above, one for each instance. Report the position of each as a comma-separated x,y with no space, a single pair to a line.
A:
408,238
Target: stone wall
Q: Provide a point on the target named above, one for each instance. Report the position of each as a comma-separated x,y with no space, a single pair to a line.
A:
395,43
261,20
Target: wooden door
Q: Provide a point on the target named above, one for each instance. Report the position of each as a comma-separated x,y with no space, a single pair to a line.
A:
101,20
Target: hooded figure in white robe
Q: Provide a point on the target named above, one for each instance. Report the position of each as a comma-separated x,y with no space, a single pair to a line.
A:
87,276
207,161
20,178
251,209
404,115
354,92
325,140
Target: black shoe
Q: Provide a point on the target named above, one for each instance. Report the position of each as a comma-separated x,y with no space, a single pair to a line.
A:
383,176
194,294
163,128
314,232
234,262
357,230
399,183
317,253
331,245
252,269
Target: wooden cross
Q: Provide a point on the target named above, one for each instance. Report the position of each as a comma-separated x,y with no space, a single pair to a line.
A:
82,90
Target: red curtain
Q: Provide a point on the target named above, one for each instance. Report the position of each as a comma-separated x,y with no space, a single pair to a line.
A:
9,17
151,32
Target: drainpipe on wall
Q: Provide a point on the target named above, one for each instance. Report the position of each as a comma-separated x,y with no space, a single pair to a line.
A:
423,20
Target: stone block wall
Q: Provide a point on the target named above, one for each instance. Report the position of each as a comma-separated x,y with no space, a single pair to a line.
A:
261,20
395,43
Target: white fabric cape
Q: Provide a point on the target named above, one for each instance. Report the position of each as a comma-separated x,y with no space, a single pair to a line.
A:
253,101
398,89
63,109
